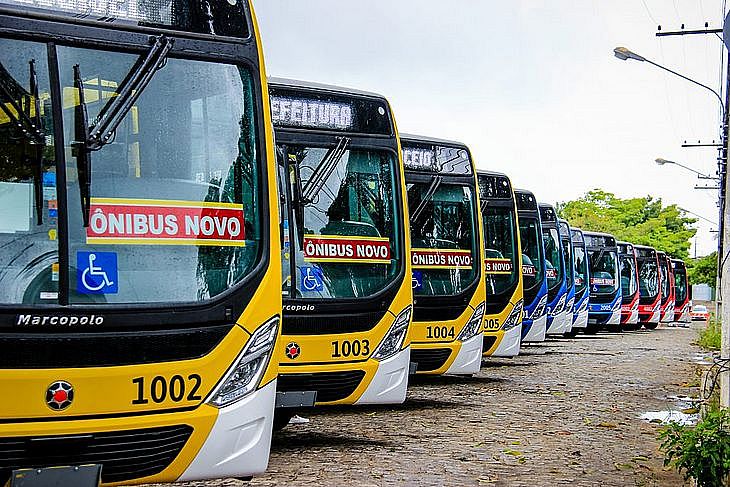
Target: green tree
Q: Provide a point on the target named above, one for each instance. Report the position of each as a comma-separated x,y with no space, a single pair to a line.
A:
642,221
703,270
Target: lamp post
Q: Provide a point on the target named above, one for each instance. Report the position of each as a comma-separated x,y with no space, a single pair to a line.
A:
700,175
723,272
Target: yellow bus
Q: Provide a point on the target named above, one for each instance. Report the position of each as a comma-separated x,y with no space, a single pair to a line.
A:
139,244
345,274
448,289
502,265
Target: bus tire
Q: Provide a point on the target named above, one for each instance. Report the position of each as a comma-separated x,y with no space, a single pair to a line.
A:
282,417
651,326
571,334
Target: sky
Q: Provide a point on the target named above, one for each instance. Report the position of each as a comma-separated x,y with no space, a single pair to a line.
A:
531,86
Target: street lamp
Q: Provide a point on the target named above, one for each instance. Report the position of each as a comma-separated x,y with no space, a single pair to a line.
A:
623,54
700,175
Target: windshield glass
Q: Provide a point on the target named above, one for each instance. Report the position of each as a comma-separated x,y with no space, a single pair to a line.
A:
175,195
680,283
533,271
500,249
648,277
568,259
553,257
628,276
581,269
603,270
29,269
665,278
443,238
344,221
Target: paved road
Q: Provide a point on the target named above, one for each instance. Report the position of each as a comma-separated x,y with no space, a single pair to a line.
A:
564,413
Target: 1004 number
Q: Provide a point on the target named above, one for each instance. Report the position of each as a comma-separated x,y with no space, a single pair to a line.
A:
438,332
159,389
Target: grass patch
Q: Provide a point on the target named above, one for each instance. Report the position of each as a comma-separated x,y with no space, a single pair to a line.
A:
709,337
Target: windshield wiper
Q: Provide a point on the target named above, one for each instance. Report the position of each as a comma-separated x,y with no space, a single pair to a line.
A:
30,125
435,183
92,138
324,169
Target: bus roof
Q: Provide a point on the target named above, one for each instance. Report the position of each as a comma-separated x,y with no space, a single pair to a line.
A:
431,140
644,247
576,235
526,201
314,86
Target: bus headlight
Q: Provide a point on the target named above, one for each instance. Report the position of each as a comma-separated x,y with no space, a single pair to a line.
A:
245,375
393,340
515,317
474,325
540,308
558,307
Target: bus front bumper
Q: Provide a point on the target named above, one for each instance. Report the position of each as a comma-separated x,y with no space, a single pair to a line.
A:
438,358
509,345
605,317
241,435
390,382
537,331
560,323
581,321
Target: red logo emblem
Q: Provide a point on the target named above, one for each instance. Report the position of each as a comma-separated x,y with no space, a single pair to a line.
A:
293,350
59,395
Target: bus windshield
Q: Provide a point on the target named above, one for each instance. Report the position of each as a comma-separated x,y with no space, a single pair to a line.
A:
174,208
628,276
553,257
680,280
345,221
603,269
664,273
568,259
533,272
648,277
443,238
500,249
581,269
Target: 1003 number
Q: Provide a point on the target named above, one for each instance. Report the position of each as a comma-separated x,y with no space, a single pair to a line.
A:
350,348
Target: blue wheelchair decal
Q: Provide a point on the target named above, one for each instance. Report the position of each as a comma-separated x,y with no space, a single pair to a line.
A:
312,278
97,273
417,280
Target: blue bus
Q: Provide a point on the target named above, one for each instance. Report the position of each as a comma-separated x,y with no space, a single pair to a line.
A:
554,270
567,243
534,320
580,262
604,306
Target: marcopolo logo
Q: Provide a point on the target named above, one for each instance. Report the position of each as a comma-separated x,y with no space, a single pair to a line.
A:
59,320
59,395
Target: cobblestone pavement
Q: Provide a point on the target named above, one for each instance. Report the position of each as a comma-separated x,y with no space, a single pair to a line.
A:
564,413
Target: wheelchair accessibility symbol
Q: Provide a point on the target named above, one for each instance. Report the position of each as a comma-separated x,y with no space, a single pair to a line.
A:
97,273
417,280
312,279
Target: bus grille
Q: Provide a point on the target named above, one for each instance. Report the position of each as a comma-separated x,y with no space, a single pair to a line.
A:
438,313
124,455
106,349
429,359
329,324
330,386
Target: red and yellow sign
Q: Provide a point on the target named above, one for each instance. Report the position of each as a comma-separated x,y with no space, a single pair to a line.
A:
347,249
441,259
498,266
165,222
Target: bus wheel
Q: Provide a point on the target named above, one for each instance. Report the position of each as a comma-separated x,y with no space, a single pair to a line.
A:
651,326
591,329
571,334
282,417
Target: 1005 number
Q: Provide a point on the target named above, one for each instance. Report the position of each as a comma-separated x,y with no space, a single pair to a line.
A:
160,388
491,324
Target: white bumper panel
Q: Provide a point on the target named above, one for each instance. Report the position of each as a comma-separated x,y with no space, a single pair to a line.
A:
568,321
668,315
655,316
239,443
510,344
581,321
538,330
685,317
634,317
469,359
390,382
615,318
558,326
